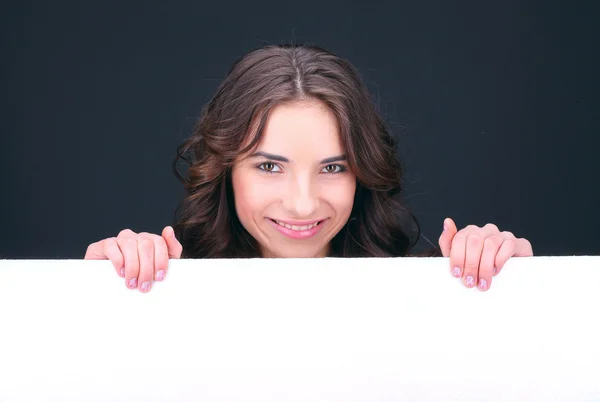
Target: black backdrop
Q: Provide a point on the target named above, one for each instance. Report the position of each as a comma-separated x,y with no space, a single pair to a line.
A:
496,104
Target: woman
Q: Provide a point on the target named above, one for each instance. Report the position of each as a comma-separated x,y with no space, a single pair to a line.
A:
291,159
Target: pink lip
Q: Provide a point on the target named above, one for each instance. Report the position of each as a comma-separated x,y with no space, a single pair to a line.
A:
298,234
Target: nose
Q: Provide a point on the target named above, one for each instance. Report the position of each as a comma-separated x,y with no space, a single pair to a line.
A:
301,199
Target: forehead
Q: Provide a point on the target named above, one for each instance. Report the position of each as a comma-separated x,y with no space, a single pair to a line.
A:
300,128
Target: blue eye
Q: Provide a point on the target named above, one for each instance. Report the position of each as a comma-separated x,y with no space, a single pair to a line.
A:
334,169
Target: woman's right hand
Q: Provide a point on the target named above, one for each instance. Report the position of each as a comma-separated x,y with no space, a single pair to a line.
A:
138,257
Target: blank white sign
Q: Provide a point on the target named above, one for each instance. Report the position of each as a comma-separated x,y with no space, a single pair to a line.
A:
400,329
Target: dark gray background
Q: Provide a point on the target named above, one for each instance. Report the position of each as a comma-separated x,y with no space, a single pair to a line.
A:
496,104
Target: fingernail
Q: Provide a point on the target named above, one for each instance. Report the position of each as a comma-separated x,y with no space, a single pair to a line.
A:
160,275
456,272
123,272
470,281
145,286
482,284
132,283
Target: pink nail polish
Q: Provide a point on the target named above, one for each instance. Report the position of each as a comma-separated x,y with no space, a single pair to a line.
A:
160,275
482,284
123,272
145,286
132,283
456,272
470,281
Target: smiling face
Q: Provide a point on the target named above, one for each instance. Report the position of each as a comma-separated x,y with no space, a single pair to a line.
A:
295,192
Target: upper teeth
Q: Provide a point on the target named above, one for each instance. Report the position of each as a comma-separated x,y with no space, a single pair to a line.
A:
294,227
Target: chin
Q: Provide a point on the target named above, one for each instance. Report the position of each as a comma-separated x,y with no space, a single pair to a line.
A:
297,253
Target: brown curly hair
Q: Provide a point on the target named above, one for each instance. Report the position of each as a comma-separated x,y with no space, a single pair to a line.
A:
206,222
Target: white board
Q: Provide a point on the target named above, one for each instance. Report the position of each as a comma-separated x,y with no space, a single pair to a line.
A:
347,330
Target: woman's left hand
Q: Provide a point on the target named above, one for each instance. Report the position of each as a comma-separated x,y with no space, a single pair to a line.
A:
478,253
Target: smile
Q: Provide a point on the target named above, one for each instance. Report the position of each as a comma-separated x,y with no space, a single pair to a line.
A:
304,231
294,227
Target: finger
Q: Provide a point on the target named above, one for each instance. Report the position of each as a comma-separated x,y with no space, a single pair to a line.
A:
490,230
126,234
145,249
523,248
107,249
448,233
472,259
491,245
129,248
457,254
173,245
507,250
114,254
161,258
95,251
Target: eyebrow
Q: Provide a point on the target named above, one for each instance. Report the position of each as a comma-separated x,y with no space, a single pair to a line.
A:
284,159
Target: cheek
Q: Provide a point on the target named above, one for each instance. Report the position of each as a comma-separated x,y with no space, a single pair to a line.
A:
243,206
250,198
341,195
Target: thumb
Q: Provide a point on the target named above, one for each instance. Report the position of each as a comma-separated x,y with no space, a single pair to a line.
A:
173,245
447,235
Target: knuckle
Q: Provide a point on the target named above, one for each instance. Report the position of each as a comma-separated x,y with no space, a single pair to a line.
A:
471,267
125,232
109,244
492,226
475,240
508,234
110,241
144,241
146,235
492,242
161,240
127,243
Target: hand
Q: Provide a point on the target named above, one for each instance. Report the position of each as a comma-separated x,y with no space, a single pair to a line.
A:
478,254
138,258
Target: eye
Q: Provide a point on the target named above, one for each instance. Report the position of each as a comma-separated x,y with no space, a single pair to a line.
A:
268,167
334,169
